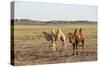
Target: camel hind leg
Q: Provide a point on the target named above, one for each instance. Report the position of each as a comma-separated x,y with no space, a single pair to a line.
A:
83,43
74,48
54,47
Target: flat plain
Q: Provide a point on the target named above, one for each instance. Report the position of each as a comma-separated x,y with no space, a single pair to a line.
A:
30,46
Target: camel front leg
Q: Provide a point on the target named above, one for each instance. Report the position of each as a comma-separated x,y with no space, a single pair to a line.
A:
82,44
64,45
76,47
53,46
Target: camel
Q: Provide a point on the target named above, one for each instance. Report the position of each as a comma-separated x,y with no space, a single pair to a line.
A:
76,38
54,37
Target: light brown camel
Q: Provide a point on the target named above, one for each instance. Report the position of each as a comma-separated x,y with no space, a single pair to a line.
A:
75,38
55,36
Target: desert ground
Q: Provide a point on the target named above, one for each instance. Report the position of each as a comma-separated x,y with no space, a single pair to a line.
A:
30,46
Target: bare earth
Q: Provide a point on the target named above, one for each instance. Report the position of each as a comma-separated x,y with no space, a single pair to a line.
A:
30,46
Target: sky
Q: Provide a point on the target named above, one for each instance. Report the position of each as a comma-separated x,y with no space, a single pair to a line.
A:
51,11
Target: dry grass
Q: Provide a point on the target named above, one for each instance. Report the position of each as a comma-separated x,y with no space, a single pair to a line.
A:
32,48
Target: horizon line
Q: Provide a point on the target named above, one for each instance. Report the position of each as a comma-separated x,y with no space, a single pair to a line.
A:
51,20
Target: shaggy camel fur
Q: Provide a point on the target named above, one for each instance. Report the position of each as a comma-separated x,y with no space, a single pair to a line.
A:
75,38
55,36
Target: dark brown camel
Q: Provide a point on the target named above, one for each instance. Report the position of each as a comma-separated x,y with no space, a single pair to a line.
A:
75,38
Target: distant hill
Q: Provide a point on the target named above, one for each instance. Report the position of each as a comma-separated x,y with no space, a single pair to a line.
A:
28,21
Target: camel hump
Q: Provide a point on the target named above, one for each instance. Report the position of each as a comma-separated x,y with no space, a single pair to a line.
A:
81,33
52,31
